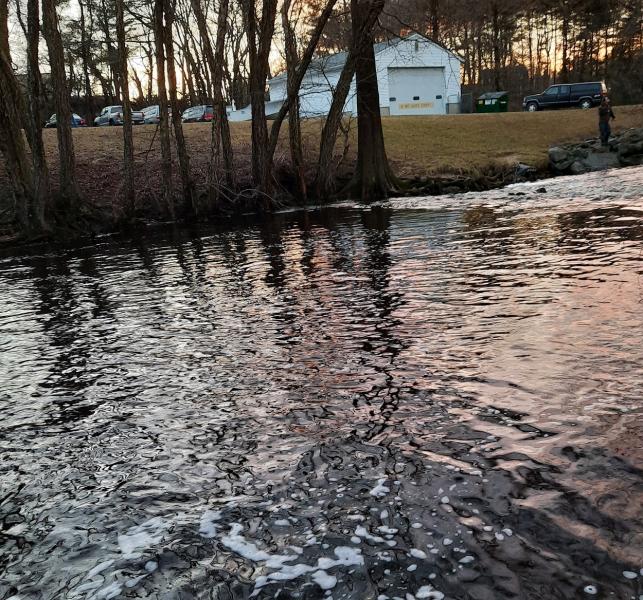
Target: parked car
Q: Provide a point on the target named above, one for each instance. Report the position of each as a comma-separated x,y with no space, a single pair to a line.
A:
152,114
113,115
76,121
198,114
567,95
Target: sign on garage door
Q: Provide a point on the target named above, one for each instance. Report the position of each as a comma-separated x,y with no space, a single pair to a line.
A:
417,90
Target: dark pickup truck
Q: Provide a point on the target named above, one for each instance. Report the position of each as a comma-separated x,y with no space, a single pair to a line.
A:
567,95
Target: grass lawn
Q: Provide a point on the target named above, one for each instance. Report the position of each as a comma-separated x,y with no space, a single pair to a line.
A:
417,146
431,145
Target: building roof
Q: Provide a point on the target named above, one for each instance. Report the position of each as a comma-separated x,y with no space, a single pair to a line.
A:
337,61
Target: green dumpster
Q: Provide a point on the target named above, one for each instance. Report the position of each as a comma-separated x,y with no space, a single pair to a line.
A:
493,102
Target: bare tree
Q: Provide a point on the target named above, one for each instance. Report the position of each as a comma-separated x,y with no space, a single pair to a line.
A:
164,122
69,194
128,142
294,83
12,142
294,121
34,122
184,160
223,133
221,143
373,178
325,180
260,34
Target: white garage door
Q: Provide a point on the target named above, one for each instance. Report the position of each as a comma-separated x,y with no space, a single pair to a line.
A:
417,90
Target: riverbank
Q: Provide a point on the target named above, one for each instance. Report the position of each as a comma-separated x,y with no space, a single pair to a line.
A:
435,154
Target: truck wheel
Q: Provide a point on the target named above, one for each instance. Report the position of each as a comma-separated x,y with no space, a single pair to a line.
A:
586,104
111,122
532,106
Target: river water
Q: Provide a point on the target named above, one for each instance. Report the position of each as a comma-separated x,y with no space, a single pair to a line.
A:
429,398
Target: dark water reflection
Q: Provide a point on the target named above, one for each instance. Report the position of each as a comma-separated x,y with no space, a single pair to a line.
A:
393,402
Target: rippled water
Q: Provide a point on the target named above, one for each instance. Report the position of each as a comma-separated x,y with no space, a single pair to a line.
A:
430,398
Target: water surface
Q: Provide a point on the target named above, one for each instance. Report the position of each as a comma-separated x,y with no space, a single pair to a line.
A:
431,398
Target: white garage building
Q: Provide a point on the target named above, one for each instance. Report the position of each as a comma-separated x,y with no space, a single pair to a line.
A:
415,76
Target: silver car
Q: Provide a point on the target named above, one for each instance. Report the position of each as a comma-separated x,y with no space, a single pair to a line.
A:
152,114
113,115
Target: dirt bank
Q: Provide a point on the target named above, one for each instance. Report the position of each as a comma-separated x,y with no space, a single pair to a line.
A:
442,153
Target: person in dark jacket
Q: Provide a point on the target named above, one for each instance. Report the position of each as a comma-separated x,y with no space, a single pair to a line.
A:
605,115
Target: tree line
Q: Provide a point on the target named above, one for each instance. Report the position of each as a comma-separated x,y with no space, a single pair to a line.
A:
184,52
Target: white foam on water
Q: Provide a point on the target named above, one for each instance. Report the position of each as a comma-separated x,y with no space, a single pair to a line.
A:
142,537
17,529
207,526
362,532
111,591
444,499
237,543
428,592
130,583
447,541
412,568
324,580
286,572
629,575
151,566
84,587
387,530
467,559
415,553
380,489
282,523
590,589
99,568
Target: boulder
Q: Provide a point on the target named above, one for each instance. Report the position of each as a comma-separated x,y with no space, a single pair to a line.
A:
578,167
558,155
630,147
625,149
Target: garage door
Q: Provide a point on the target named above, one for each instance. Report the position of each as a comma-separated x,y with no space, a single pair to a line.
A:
417,90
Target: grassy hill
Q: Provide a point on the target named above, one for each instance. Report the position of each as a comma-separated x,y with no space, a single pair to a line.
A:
417,146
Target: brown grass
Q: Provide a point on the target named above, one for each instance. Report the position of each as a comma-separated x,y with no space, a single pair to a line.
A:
417,146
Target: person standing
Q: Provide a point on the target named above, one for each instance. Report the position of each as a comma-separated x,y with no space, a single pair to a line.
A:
605,115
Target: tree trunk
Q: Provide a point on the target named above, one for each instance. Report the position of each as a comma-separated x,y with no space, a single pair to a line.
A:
564,72
138,84
69,194
164,122
435,20
37,210
221,144
294,122
129,197
189,196
12,141
294,82
495,19
373,179
217,82
259,43
325,179
89,97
